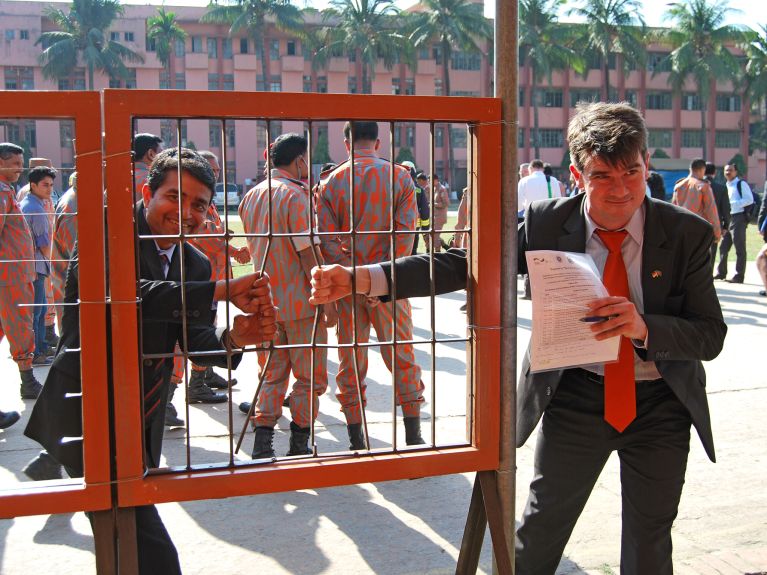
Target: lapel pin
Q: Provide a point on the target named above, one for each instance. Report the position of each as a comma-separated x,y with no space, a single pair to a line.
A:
656,274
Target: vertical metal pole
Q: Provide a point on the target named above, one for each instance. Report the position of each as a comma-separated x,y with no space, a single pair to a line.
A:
506,62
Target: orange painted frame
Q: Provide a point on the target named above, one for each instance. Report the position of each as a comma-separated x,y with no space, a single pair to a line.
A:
120,107
94,492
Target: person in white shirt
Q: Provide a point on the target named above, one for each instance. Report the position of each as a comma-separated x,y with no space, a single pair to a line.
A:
740,199
536,186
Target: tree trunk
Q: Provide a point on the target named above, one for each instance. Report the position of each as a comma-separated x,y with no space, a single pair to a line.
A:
450,168
265,63
605,79
703,114
90,76
536,138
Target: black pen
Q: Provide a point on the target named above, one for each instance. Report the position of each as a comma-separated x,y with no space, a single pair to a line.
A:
596,318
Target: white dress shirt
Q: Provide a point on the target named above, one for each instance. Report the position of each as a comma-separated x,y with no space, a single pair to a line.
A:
535,187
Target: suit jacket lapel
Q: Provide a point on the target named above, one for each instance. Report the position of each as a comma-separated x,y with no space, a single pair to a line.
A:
574,238
656,261
149,258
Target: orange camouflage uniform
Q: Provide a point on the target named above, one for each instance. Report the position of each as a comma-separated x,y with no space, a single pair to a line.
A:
698,197
290,291
17,271
373,202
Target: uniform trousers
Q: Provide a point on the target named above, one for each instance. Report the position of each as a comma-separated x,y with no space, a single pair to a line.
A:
297,360
735,235
16,322
574,443
408,385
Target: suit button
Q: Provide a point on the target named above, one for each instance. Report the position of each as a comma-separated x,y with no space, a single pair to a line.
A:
175,313
196,313
548,391
147,362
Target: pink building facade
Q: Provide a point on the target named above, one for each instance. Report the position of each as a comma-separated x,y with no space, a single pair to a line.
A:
210,60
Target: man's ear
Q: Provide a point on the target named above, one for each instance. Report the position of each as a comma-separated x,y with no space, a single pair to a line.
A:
146,194
378,144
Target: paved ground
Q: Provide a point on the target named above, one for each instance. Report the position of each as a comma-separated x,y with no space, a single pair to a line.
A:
415,527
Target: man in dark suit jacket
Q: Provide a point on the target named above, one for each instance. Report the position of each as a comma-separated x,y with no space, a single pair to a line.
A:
672,319
722,199
57,413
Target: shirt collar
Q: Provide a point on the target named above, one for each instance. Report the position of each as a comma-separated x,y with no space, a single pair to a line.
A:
635,227
168,252
278,173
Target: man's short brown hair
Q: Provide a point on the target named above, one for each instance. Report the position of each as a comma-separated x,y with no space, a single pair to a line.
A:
615,133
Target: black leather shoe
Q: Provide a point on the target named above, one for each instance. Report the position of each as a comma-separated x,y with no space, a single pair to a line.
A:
41,359
215,381
262,444
719,277
356,437
244,407
43,468
735,280
30,388
413,431
8,418
762,292
201,393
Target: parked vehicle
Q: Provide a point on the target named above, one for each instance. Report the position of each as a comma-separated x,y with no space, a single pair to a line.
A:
232,195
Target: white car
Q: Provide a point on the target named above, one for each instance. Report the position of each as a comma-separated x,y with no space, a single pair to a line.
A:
232,196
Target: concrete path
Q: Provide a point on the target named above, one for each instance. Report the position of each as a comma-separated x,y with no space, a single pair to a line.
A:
415,527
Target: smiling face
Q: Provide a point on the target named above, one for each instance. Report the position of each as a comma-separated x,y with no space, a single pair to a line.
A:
162,208
613,193
11,169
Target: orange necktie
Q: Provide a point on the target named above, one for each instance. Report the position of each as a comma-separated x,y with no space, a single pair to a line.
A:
620,387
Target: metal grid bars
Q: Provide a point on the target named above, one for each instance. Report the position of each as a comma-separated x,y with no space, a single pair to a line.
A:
197,477
93,492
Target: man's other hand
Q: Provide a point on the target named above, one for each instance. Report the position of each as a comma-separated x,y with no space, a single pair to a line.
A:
330,283
241,255
250,293
254,329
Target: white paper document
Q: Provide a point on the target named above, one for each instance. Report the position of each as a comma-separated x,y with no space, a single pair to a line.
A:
562,283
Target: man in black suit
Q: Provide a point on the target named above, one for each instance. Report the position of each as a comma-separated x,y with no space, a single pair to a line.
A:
57,414
671,319
722,200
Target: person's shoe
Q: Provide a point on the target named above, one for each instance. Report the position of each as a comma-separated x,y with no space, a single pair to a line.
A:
762,292
42,359
356,437
171,415
201,393
8,418
286,401
413,431
463,308
50,336
299,440
215,381
735,280
43,468
30,387
719,277
244,407
262,444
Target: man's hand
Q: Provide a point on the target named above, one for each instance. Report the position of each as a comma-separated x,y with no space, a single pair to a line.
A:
249,292
254,329
330,283
624,319
241,255
330,314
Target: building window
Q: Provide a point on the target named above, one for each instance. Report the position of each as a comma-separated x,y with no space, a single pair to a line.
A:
466,93
24,34
410,136
458,137
727,139
114,36
129,37
727,103
75,81
228,82
352,85
631,98
180,81
521,97
550,98
276,84
196,44
114,82
19,78
10,35
593,61
151,45
466,61
164,82
180,48
226,48
212,81
66,133
291,48
230,133
274,49
659,138
550,138
658,62
322,85
436,53
410,86
243,45
423,53
212,44
583,95
520,137
692,138
307,83
214,133
658,101
395,87
439,138
438,87
129,82
168,132
691,102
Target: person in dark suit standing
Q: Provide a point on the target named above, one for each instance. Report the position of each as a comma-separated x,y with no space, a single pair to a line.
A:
722,200
57,413
669,321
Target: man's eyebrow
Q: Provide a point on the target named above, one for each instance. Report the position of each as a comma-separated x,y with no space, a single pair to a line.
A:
601,172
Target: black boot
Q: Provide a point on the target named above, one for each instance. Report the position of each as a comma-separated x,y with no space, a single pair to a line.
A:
8,418
30,387
262,445
201,393
413,431
299,440
43,468
215,381
171,415
356,437
50,336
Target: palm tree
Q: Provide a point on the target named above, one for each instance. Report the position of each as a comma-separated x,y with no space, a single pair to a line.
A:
365,30
612,26
756,72
165,31
83,35
542,45
452,24
250,17
699,39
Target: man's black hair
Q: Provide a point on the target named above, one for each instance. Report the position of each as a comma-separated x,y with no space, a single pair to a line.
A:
697,164
142,143
37,174
362,131
7,150
421,176
710,169
191,162
547,170
286,148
